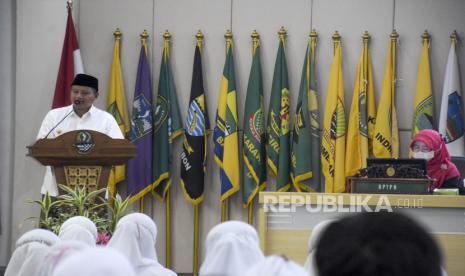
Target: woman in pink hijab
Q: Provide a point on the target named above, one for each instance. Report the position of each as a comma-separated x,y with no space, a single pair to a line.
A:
428,144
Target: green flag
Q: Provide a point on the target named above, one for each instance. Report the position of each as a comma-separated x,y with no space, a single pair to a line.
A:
167,126
253,149
278,151
305,155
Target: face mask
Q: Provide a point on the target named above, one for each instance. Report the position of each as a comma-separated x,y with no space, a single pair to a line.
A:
423,155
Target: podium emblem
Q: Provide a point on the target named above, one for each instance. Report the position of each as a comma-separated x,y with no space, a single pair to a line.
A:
83,142
390,171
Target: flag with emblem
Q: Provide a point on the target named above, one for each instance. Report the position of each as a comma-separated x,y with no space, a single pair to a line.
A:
139,169
253,149
386,139
451,120
167,125
70,64
194,150
362,115
305,154
225,135
116,106
278,147
334,127
423,102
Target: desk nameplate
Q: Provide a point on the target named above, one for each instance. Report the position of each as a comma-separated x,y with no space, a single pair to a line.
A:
363,185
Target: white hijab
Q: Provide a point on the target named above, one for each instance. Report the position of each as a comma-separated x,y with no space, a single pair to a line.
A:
97,261
135,238
317,231
30,251
276,266
57,253
232,248
79,228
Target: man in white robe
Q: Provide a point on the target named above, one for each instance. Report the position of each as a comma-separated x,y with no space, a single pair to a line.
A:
81,114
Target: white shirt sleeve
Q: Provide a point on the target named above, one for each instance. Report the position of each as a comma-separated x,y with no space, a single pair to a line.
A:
113,129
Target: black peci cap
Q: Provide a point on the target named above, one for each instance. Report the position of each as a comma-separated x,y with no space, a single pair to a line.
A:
86,80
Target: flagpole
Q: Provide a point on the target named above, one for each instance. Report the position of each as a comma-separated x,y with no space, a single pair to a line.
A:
394,36
454,37
117,37
224,203
196,240
255,43
336,39
141,204
250,213
168,228
224,210
166,46
143,39
425,36
195,262
313,37
366,40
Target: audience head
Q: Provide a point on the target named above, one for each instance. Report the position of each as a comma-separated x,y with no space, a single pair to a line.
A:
135,234
135,237
79,228
232,247
382,244
30,252
57,253
98,261
317,231
276,266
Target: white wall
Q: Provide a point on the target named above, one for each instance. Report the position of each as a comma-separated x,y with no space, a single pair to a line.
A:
7,50
40,29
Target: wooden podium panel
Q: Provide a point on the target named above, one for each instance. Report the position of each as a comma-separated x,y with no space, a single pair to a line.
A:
63,150
82,157
287,219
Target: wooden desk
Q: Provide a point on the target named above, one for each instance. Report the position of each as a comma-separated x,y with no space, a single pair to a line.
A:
286,220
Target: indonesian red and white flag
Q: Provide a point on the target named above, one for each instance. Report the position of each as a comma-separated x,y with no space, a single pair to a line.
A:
70,65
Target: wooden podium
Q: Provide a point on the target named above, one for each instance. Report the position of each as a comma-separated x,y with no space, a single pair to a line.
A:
82,157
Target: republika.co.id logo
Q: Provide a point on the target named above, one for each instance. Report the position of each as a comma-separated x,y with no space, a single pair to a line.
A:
328,203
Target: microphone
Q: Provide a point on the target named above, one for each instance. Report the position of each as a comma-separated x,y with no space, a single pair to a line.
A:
66,116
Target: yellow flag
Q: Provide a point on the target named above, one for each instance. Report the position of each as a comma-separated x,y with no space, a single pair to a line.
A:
386,140
362,115
225,133
334,127
116,106
423,103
